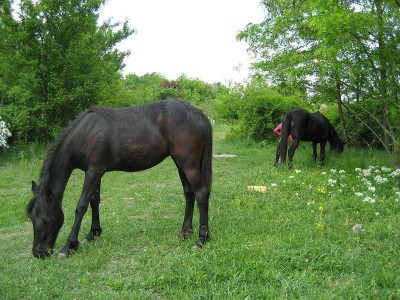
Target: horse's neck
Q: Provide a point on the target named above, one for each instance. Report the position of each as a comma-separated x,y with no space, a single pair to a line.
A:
58,176
333,139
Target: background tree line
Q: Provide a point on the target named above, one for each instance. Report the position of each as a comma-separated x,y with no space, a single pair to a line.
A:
55,61
337,56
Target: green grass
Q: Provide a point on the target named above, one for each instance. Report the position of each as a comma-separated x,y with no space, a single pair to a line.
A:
292,242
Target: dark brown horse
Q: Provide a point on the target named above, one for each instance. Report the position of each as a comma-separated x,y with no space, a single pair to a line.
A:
126,139
308,127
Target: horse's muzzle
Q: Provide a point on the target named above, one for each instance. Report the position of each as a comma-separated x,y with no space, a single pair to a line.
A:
40,252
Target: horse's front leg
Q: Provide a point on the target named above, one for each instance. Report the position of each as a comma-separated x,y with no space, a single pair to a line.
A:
95,229
92,182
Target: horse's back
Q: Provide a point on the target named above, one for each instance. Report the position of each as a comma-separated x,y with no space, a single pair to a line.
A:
308,126
136,138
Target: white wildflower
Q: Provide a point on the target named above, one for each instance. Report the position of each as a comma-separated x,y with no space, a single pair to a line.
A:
366,182
4,134
379,179
395,173
386,169
273,184
331,182
359,194
366,172
369,200
332,171
342,171
323,173
372,189
297,171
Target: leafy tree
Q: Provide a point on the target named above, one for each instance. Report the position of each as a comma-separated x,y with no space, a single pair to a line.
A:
54,61
343,51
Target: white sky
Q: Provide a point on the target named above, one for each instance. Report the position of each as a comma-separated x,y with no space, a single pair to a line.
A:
195,38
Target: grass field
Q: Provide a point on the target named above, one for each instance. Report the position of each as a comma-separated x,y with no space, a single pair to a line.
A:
294,241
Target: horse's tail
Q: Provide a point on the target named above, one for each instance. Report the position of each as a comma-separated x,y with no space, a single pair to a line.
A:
285,132
206,164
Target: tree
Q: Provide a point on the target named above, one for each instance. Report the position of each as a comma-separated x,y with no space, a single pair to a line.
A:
54,61
341,50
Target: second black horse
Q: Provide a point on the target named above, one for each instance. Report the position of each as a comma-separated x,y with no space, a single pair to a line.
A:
308,127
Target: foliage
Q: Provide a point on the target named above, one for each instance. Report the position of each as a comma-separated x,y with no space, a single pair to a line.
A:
293,242
55,60
341,51
4,134
195,90
258,110
136,90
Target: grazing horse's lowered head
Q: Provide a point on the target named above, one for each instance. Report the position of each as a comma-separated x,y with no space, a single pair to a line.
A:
47,219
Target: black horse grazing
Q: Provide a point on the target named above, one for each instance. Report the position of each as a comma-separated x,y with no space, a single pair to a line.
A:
304,126
127,139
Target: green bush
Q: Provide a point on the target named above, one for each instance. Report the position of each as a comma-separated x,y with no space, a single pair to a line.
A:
258,111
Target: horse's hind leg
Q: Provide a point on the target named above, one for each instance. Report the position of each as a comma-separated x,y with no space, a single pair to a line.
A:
322,153
292,150
187,226
95,229
314,148
202,194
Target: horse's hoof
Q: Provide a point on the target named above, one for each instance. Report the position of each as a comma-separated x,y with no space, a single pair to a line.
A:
62,255
200,242
185,234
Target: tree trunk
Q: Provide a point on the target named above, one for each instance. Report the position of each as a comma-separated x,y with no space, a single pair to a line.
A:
383,77
340,109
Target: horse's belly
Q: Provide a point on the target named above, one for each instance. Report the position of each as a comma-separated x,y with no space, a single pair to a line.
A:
138,160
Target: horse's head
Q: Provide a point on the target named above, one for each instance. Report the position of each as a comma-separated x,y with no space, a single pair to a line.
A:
47,218
339,147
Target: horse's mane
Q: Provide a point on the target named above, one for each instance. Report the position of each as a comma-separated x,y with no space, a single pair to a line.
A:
45,172
107,113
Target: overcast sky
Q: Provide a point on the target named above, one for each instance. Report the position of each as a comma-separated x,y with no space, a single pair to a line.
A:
195,38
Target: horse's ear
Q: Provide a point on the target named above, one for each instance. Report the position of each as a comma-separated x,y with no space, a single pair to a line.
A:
35,188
